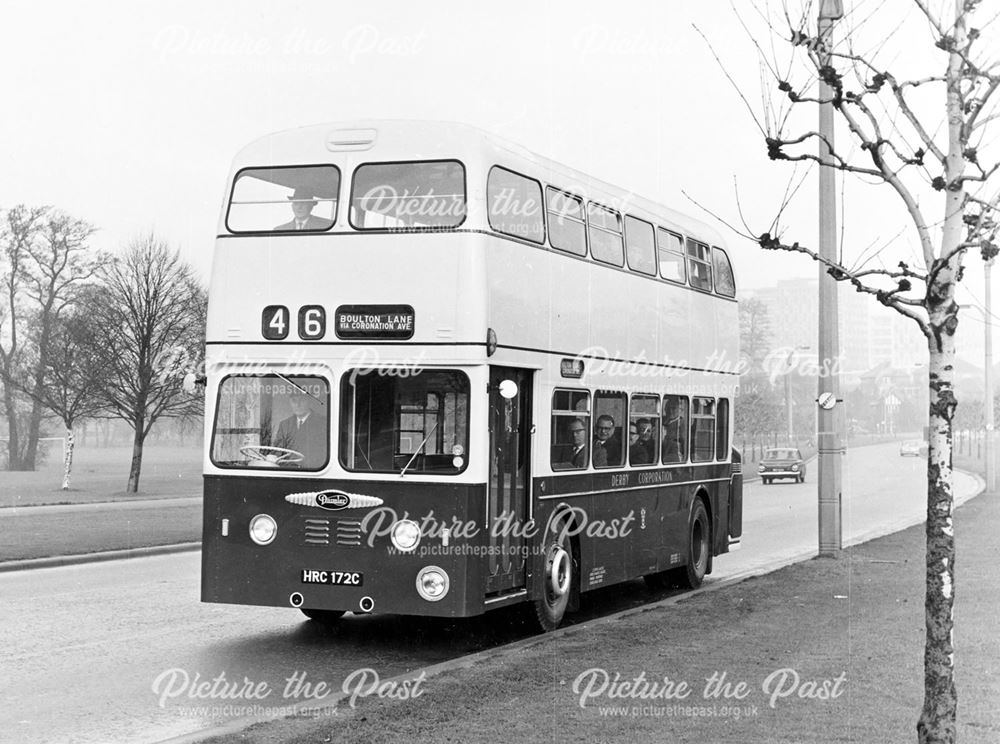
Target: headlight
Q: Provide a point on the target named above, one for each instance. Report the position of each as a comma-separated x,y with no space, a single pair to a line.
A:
432,583
405,535
263,529
760,469
795,467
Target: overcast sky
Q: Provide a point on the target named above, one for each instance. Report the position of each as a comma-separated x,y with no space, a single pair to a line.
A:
127,114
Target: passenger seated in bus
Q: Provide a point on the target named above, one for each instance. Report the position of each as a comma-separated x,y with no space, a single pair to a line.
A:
643,449
607,446
303,432
303,202
574,454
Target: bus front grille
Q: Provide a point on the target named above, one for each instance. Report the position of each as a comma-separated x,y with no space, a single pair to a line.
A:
318,531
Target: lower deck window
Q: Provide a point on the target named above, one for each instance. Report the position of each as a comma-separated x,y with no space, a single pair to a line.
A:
414,424
272,421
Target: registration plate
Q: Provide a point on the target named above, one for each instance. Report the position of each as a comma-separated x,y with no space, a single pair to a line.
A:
335,578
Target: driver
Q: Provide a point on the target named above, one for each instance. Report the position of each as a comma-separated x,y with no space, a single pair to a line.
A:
303,432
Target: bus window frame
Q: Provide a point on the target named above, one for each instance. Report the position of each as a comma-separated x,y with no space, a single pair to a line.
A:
692,446
633,417
683,281
693,243
241,171
722,447
685,454
656,256
345,383
267,469
582,220
587,417
542,206
717,251
621,426
431,228
620,232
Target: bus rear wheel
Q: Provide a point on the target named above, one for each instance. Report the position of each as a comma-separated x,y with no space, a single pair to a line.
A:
559,575
699,547
326,617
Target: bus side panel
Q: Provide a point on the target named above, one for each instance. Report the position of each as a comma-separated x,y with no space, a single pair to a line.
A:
637,529
311,540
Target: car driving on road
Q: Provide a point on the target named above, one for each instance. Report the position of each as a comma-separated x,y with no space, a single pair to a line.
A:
782,462
914,448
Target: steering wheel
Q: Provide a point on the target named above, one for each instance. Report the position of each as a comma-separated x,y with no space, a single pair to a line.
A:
272,456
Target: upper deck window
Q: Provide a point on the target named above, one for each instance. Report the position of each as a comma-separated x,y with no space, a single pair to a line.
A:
699,265
725,283
406,196
605,234
515,205
566,228
284,199
670,248
639,244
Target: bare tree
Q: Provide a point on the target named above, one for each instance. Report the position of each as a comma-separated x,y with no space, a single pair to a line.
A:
59,261
74,375
923,137
18,231
150,310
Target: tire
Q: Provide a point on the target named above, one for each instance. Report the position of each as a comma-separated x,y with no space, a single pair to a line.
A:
560,576
326,617
766,481
699,549
801,478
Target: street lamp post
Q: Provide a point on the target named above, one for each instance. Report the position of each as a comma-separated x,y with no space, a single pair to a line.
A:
829,420
991,475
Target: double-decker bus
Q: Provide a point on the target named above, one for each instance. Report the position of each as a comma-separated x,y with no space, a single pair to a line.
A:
446,375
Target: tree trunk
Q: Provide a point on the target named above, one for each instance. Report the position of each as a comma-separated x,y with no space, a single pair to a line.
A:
68,456
34,429
35,422
136,466
937,719
13,441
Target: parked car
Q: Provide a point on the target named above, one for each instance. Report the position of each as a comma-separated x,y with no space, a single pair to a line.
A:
782,462
913,447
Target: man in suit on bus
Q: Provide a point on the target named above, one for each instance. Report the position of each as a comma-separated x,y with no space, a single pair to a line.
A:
643,447
607,447
303,432
574,454
303,202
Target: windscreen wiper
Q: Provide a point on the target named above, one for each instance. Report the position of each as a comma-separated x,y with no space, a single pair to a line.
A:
417,452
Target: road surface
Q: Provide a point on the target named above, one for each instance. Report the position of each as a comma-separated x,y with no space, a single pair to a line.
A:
110,652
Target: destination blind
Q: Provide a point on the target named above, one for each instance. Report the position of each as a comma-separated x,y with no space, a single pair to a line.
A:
375,321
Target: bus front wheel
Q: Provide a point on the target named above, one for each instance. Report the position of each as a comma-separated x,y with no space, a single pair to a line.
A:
559,575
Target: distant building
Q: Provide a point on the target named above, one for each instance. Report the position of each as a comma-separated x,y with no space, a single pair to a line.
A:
870,334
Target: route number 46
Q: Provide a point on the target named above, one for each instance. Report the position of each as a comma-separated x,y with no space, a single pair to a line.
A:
276,319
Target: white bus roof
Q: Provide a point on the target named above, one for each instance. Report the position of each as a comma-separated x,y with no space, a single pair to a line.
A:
389,140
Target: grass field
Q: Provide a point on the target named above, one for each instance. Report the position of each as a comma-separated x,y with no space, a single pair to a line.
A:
101,474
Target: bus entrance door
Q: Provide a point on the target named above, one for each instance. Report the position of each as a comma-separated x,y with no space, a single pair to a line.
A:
509,481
